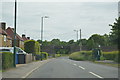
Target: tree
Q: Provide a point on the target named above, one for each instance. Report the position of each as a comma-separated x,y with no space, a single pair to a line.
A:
115,34
55,42
71,42
95,40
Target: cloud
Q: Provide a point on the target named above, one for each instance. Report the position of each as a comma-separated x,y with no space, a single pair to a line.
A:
91,17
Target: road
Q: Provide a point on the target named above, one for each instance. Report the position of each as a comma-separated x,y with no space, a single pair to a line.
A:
66,68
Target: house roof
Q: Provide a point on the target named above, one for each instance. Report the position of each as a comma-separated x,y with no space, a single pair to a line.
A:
3,32
10,32
24,38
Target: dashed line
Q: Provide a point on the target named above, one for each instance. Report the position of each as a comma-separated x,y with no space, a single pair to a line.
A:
95,75
75,64
82,67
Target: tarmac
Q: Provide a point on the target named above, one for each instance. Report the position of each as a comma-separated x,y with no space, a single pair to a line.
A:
23,70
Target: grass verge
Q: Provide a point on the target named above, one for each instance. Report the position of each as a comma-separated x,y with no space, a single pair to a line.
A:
108,64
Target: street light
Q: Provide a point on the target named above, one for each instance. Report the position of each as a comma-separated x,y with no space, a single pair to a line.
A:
15,33
80,38
42,18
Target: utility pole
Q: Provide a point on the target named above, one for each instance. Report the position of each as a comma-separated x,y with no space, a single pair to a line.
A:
41,35
15,33
80,41
42,22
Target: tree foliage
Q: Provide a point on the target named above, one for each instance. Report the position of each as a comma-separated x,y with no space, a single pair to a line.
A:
115,33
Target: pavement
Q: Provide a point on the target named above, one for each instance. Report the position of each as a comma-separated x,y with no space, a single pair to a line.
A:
23,70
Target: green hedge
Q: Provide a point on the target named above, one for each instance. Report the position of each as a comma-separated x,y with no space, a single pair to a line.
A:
82,55
87,55
111,55
31,46
44,55
7,60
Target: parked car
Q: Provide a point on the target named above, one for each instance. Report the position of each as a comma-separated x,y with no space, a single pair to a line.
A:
11,49
18,54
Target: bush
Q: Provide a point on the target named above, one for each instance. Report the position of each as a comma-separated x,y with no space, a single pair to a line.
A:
7,60
32,46
57,55
44,55
111,55
82,55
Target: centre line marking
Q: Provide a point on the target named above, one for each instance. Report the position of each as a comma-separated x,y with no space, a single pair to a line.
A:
75,64
95,75
82,67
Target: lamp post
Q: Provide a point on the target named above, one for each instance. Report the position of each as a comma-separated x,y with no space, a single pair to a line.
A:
80,38
80,41
42,22
15,33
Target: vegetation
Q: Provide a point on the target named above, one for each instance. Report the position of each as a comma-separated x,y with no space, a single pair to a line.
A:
81,55
7,60
88,55
32,46
44,55
115,33
111,56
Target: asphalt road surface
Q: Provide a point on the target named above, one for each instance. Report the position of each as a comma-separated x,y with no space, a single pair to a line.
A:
66,68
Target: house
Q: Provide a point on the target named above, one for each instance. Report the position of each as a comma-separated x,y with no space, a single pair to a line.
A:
5,39
25,38
19,40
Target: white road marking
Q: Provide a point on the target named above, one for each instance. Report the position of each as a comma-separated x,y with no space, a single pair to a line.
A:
75,64
82,67
95,75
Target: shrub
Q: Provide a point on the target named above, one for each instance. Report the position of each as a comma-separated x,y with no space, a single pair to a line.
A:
7,60
57,55
111,55
82,55
44,55
32,46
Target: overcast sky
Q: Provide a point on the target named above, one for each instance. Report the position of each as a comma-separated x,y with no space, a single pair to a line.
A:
64,18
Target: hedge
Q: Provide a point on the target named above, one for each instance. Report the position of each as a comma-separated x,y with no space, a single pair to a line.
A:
7,60
44,55
111,55
31,46
0,61
87,55
81,55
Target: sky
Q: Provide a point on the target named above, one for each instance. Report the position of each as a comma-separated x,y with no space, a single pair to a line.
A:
64,17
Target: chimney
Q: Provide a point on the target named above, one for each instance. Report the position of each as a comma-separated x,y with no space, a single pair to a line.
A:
3,25
23,35
28,38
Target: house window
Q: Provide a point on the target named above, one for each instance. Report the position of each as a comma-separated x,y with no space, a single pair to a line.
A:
5,38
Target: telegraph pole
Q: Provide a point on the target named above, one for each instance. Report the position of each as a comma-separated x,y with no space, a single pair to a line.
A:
80,41
42,22
15,33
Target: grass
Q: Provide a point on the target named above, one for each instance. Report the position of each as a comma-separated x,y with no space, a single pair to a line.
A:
108,64
79,56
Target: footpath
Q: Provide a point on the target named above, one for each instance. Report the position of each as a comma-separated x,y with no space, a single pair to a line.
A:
23,70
